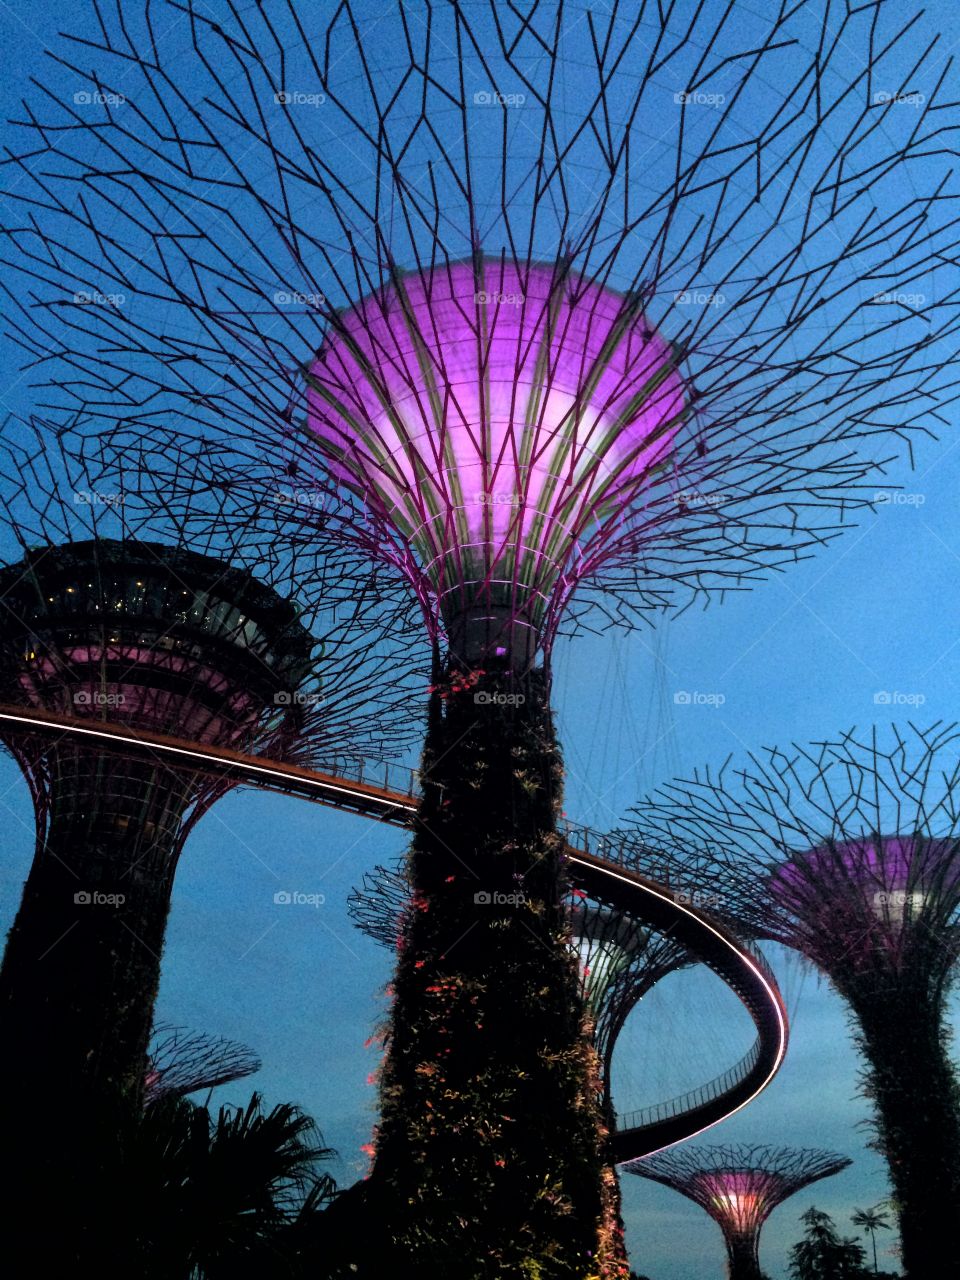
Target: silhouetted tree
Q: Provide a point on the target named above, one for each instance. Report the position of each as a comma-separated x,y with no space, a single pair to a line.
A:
185,1194
872,1221
822,1254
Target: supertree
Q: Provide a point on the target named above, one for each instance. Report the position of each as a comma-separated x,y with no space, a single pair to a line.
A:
848,851
739,1187
535,347
181,1062
110,615
619,959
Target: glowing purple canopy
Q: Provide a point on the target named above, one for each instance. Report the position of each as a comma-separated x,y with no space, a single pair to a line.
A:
739,1199
887,875
500,420
851,905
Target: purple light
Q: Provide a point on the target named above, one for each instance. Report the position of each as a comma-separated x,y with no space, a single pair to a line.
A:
201,705
502,421
873,886
738,1198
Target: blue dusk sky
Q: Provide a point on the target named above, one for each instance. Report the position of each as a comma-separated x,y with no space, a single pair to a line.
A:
864,633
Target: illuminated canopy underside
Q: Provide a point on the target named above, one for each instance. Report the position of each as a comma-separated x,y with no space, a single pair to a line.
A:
503,422
877,889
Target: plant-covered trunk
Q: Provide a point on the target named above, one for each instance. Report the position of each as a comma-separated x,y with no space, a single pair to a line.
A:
743,1261
490,1154
913,1085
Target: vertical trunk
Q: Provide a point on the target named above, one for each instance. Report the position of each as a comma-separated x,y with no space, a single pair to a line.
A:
82,962
913,1085
490,1154
743,1258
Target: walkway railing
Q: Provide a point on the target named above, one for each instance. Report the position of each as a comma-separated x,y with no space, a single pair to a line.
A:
693,1099
389,792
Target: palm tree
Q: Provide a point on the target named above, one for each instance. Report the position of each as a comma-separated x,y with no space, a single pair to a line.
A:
872,1221
177,1192
229,1196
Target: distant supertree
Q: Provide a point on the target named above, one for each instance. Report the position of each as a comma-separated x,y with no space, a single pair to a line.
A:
619,959
111,616
536,344
182,1062
848,851
739,1187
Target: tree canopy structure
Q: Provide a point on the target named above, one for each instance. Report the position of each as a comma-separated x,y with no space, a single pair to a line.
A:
739,1187
848,851
552,315
111,616
181,1062
538,345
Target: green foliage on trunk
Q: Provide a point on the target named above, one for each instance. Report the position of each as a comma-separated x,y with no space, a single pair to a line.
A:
490,1156
912,1084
